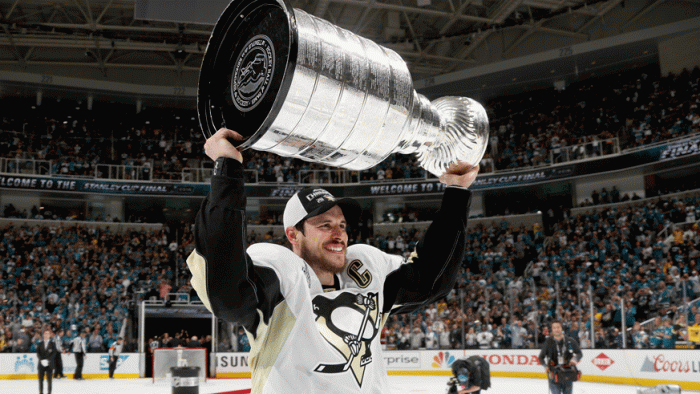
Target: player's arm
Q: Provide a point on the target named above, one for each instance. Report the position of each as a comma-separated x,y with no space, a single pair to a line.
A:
223,274
431,271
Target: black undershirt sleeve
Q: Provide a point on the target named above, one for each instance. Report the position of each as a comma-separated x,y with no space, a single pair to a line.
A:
235,287
432,269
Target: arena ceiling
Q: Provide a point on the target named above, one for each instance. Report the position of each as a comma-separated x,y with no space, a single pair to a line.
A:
434,37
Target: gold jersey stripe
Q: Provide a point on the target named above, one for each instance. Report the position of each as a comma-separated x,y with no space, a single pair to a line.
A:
198,268
268,342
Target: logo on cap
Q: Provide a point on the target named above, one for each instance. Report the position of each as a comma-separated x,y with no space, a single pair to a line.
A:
319,193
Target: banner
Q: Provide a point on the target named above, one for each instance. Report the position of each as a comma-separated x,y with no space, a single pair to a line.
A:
630,367
679,149
233,364
95,365
102,187
663,153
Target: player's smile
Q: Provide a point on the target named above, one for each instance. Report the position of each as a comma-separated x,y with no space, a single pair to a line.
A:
335,247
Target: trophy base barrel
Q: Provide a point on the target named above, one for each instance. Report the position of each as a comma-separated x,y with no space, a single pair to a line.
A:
463,137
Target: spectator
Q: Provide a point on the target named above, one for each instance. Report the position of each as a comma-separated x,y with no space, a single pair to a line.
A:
95,342
417,338
484,338
194,342
518,334
243,344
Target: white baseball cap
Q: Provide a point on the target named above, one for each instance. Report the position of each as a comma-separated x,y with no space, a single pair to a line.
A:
310,202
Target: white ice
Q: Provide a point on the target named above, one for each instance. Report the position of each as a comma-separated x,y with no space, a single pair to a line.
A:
399,385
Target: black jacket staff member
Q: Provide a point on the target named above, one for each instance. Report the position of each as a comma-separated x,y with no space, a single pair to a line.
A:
559,350
323,296
46,353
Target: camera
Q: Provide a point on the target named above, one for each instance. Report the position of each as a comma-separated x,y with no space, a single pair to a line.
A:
452,386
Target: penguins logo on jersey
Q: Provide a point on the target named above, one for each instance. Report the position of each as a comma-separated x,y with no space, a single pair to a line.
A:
349,323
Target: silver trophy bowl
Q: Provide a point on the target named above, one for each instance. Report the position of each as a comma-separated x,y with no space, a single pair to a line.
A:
298,86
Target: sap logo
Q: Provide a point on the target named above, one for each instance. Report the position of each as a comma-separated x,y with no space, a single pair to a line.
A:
24,364
104,362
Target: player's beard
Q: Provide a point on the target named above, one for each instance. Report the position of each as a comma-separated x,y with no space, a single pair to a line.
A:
315,259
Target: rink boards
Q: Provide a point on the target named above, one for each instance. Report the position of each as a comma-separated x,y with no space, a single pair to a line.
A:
96,365
631,367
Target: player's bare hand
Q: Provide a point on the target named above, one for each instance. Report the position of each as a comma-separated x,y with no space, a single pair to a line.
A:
218,145
460,174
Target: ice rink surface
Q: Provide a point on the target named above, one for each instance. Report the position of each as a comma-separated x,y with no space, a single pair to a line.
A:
399,384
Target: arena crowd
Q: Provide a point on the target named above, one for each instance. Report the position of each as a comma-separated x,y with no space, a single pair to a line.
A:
638,108
514,282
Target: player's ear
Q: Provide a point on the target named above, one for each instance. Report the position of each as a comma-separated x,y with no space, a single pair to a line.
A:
292,235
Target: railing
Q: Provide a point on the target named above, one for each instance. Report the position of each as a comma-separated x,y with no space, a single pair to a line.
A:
590,150
623,204
203,175
172,298
527,219
196,175
24,166
671,227
684,307
566,154
118,227
123,172
659,143
327,176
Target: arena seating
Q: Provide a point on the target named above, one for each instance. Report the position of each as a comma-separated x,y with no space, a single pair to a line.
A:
622,249
529,130
92,278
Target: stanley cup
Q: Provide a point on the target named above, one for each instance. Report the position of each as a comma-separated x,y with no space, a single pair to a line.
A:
298,86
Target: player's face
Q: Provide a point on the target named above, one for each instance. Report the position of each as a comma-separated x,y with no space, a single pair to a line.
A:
324,242
47,335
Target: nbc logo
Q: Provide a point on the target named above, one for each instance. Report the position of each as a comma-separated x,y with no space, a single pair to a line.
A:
443,360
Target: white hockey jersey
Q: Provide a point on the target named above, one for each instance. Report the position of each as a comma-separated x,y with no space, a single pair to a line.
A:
332,338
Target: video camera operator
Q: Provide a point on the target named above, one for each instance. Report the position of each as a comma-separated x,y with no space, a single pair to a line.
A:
470,376
559,355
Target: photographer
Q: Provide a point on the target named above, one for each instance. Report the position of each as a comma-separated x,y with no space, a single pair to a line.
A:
560,353
470,376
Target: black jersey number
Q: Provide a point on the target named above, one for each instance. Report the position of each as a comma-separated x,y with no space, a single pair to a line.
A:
362,279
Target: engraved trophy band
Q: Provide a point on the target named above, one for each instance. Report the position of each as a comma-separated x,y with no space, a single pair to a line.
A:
298,86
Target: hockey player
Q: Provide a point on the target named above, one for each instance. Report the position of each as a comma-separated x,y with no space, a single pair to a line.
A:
313,314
